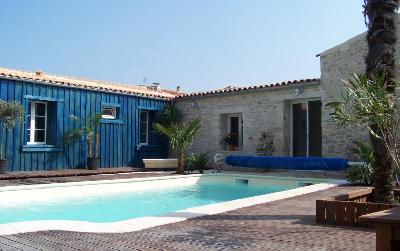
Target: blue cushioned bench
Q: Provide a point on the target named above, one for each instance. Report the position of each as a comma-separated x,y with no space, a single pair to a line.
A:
291,163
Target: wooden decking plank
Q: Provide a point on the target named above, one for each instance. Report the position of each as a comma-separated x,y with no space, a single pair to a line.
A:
350,213
330,212
361,210
89,239
20,243
340,213
54,241
320,212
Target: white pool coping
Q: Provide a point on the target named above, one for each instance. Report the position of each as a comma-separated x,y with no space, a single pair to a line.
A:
141,223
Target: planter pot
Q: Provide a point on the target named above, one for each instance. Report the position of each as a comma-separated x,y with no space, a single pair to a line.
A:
93,163
232,147
3,165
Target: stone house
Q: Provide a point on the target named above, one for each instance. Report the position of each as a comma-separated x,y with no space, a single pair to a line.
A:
294,111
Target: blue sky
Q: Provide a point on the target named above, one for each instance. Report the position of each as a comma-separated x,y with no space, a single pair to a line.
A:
198,44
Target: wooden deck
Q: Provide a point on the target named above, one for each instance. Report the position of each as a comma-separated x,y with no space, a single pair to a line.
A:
287,224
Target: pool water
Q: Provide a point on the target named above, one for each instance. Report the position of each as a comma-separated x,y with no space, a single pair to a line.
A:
133,204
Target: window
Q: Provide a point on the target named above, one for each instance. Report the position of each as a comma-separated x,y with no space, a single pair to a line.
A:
232,131
37,122
144,127
109,113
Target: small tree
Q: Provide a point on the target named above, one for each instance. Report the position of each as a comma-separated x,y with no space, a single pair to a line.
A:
89,130
361,173
266,144
167,116
180,137
368,103
11,113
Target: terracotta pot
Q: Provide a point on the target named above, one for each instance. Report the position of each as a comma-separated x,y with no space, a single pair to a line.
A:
93,163
3,165
232,147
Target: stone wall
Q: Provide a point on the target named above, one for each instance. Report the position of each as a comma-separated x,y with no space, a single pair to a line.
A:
337,64
261,110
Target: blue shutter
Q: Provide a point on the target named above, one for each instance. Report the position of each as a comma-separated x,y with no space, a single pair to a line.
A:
52,135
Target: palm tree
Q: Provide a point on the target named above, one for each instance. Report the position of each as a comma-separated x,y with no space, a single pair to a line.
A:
180,137
168,115
381,39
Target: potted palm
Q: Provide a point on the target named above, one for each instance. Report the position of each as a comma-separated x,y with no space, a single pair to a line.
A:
89,130
180,137
11,113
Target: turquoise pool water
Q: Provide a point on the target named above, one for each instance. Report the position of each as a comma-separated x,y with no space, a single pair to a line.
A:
126,205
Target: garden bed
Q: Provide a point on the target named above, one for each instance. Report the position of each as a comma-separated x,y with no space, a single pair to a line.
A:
344,209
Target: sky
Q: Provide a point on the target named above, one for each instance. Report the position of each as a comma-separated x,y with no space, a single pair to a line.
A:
197,44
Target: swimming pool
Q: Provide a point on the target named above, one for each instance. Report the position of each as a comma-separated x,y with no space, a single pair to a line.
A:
126,200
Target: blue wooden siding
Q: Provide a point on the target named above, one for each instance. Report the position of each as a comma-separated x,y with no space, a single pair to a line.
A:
118,141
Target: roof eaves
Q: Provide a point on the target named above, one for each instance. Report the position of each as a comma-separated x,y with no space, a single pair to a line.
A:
248,88
77,86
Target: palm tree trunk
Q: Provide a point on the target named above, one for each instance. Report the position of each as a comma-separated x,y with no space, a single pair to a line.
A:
381,38
181,160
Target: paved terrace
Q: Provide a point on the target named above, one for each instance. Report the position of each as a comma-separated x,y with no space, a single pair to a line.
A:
287,224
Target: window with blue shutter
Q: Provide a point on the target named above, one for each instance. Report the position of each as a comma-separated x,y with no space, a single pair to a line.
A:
41,129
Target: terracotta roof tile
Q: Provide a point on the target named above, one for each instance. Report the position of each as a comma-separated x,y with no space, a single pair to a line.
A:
240,89
58,80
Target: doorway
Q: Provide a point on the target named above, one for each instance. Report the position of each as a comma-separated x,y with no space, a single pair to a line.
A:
306,132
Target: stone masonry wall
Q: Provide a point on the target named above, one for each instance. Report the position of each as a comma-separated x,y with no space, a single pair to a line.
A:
262,110
337,64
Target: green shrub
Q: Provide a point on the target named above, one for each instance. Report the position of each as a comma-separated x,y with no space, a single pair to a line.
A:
265,145
198,161
11,114
362,173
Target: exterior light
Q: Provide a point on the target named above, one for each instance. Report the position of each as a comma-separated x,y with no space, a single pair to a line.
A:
299,90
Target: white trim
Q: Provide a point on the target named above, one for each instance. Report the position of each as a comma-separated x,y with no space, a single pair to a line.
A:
32,128
147,127
113,112
136,224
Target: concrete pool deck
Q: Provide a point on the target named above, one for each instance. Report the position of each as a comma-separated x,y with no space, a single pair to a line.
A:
287,224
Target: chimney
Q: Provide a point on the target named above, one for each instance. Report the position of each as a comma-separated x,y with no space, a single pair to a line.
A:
155,86
39,73
178,88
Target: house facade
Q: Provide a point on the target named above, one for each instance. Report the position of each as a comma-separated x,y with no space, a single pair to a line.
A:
293,112
126,134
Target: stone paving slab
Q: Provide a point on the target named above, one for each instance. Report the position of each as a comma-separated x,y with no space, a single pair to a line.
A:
287,224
